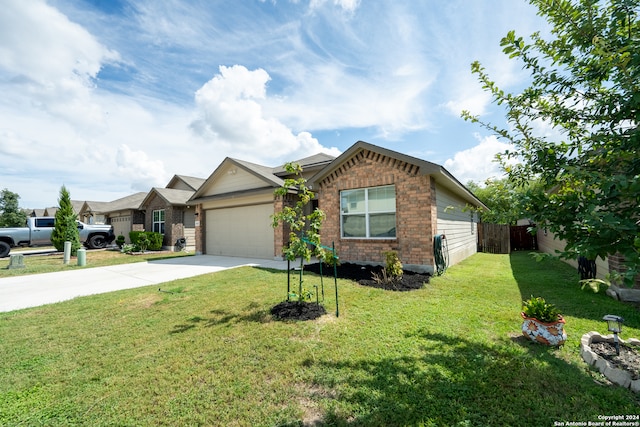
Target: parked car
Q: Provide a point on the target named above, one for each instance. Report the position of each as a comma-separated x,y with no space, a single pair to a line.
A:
37,232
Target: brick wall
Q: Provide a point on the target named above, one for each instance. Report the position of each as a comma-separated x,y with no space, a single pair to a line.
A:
415,208
616,263
201,229
281,232
157,203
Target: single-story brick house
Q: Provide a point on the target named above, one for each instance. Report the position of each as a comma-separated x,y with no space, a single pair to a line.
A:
375,200
168,210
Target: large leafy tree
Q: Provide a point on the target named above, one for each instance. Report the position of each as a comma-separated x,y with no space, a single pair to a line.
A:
66,228
585,84
10,213
506,201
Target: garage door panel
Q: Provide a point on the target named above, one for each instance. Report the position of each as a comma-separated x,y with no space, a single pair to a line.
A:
240,231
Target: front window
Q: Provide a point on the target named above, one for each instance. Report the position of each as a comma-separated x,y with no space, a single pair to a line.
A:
158,221
368,213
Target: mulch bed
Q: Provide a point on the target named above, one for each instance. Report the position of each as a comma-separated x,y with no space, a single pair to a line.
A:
363,274
294,310
628,360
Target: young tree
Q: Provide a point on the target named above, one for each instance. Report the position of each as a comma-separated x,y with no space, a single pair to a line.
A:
304,228
66,228
10,213
586,85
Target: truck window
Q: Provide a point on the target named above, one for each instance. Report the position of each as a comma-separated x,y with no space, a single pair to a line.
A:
45,222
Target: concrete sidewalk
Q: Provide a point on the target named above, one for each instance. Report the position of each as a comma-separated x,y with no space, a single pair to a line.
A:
38,289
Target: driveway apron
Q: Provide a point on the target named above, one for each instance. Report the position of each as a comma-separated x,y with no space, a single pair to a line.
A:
38,289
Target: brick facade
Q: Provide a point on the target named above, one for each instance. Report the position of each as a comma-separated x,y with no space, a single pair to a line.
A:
415,209
173,215
201,230
281,232
616,263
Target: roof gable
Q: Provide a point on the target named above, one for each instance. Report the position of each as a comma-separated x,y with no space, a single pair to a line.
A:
183,182
170,196
233,175
439,173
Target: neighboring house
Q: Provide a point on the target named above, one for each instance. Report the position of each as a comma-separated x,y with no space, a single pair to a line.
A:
124,215
169,211
51,211
375,200
235,204
93,212
75,204
549,243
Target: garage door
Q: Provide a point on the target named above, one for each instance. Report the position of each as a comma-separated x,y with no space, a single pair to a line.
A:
242,231
122,226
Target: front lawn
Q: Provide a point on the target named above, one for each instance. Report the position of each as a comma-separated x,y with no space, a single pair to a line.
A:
210,354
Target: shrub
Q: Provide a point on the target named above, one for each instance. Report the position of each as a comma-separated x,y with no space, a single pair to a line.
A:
155,240
147,240
120,241
393,267
538,308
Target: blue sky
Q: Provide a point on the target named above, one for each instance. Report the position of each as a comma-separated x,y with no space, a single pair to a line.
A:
114,97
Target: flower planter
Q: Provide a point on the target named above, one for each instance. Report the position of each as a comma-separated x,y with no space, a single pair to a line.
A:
551,334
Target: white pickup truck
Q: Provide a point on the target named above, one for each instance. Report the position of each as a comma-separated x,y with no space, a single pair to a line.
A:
37,232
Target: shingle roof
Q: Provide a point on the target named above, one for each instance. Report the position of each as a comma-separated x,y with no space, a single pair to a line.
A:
171,196
191,181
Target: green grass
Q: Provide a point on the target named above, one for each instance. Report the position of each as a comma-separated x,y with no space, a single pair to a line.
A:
49,263
210,354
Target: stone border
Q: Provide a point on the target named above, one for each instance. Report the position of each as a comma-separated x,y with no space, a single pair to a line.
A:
615,375
624,294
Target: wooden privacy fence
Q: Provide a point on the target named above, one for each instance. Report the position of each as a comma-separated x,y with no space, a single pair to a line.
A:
502,239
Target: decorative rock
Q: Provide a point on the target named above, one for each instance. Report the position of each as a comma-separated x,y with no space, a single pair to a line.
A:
601,364
625,294
615,375
16,261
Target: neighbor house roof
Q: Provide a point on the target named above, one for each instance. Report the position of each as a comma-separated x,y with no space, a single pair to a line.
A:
315,162
191,181
171,196
439,173
130,202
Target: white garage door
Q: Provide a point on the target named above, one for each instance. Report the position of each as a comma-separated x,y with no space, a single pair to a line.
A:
243,231
122,225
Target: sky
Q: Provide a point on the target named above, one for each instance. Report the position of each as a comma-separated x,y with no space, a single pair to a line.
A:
113,97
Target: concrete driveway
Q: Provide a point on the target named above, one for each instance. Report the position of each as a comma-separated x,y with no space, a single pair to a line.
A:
39,289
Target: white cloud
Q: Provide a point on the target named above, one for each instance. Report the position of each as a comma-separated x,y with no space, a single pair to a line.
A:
477,163
139,169
348,6
231,117
51,60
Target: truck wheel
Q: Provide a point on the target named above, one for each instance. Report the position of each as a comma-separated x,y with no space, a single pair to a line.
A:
97,241
4,249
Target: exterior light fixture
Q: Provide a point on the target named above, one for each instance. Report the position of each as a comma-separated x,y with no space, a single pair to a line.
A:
614,324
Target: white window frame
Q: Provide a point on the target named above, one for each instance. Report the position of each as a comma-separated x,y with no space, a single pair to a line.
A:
159,222
367,214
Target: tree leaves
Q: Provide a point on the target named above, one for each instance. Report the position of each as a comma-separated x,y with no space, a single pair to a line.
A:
585,84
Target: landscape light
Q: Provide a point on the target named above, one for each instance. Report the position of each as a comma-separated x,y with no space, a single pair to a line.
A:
614,324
